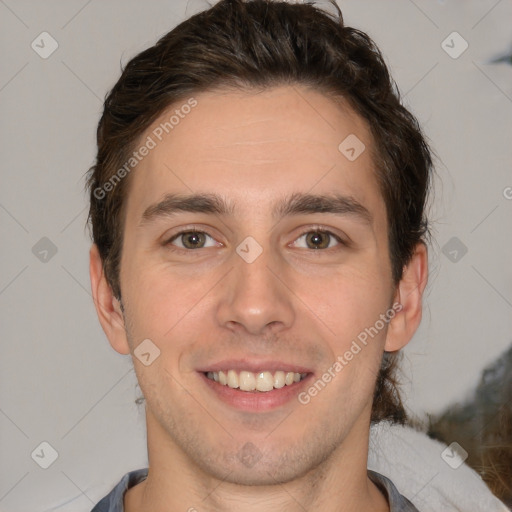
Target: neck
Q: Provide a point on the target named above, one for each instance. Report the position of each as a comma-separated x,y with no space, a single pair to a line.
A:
339,484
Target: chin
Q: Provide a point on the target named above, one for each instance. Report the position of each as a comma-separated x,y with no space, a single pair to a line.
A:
262,474
248,466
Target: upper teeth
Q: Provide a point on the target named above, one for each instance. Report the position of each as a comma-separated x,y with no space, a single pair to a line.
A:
249,381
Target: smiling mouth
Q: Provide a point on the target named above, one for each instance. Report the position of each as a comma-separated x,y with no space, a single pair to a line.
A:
263,381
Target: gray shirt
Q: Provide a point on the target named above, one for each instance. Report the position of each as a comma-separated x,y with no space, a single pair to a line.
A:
113,502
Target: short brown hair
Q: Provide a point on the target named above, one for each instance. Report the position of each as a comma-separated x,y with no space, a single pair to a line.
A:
260,44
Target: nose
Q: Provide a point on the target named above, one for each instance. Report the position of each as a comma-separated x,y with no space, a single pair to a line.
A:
255,296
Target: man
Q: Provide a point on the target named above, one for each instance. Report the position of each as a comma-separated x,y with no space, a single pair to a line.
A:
257,209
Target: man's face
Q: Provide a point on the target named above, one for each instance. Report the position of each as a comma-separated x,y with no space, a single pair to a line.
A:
256,291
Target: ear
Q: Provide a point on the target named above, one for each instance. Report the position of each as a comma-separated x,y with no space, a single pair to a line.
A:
409,294
107,306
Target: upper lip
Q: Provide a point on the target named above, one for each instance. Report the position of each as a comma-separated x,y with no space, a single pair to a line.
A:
253,365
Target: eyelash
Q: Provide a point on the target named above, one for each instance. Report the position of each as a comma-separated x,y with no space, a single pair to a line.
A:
310,230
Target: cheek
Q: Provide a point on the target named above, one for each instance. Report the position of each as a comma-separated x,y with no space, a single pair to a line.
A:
163,302
350,301
355,342
352,307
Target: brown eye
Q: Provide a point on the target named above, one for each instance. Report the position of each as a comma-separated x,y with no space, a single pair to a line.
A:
320,239
190,239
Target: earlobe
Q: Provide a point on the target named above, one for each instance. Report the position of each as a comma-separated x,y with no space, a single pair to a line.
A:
409,294
108,308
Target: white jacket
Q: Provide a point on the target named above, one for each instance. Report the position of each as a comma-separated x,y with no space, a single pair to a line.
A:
413,462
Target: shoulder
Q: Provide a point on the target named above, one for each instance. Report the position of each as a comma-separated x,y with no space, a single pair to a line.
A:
113,501
422,471
397,502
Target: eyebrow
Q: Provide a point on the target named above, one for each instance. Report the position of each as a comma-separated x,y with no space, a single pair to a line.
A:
295,204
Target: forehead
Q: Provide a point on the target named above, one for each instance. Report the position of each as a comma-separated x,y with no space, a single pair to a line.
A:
255,145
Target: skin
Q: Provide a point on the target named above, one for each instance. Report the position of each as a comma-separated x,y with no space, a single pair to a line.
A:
293,303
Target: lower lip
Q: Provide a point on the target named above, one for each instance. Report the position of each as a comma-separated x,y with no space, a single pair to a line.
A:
256,401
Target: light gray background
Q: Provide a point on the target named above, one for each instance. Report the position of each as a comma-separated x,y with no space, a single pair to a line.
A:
61,382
